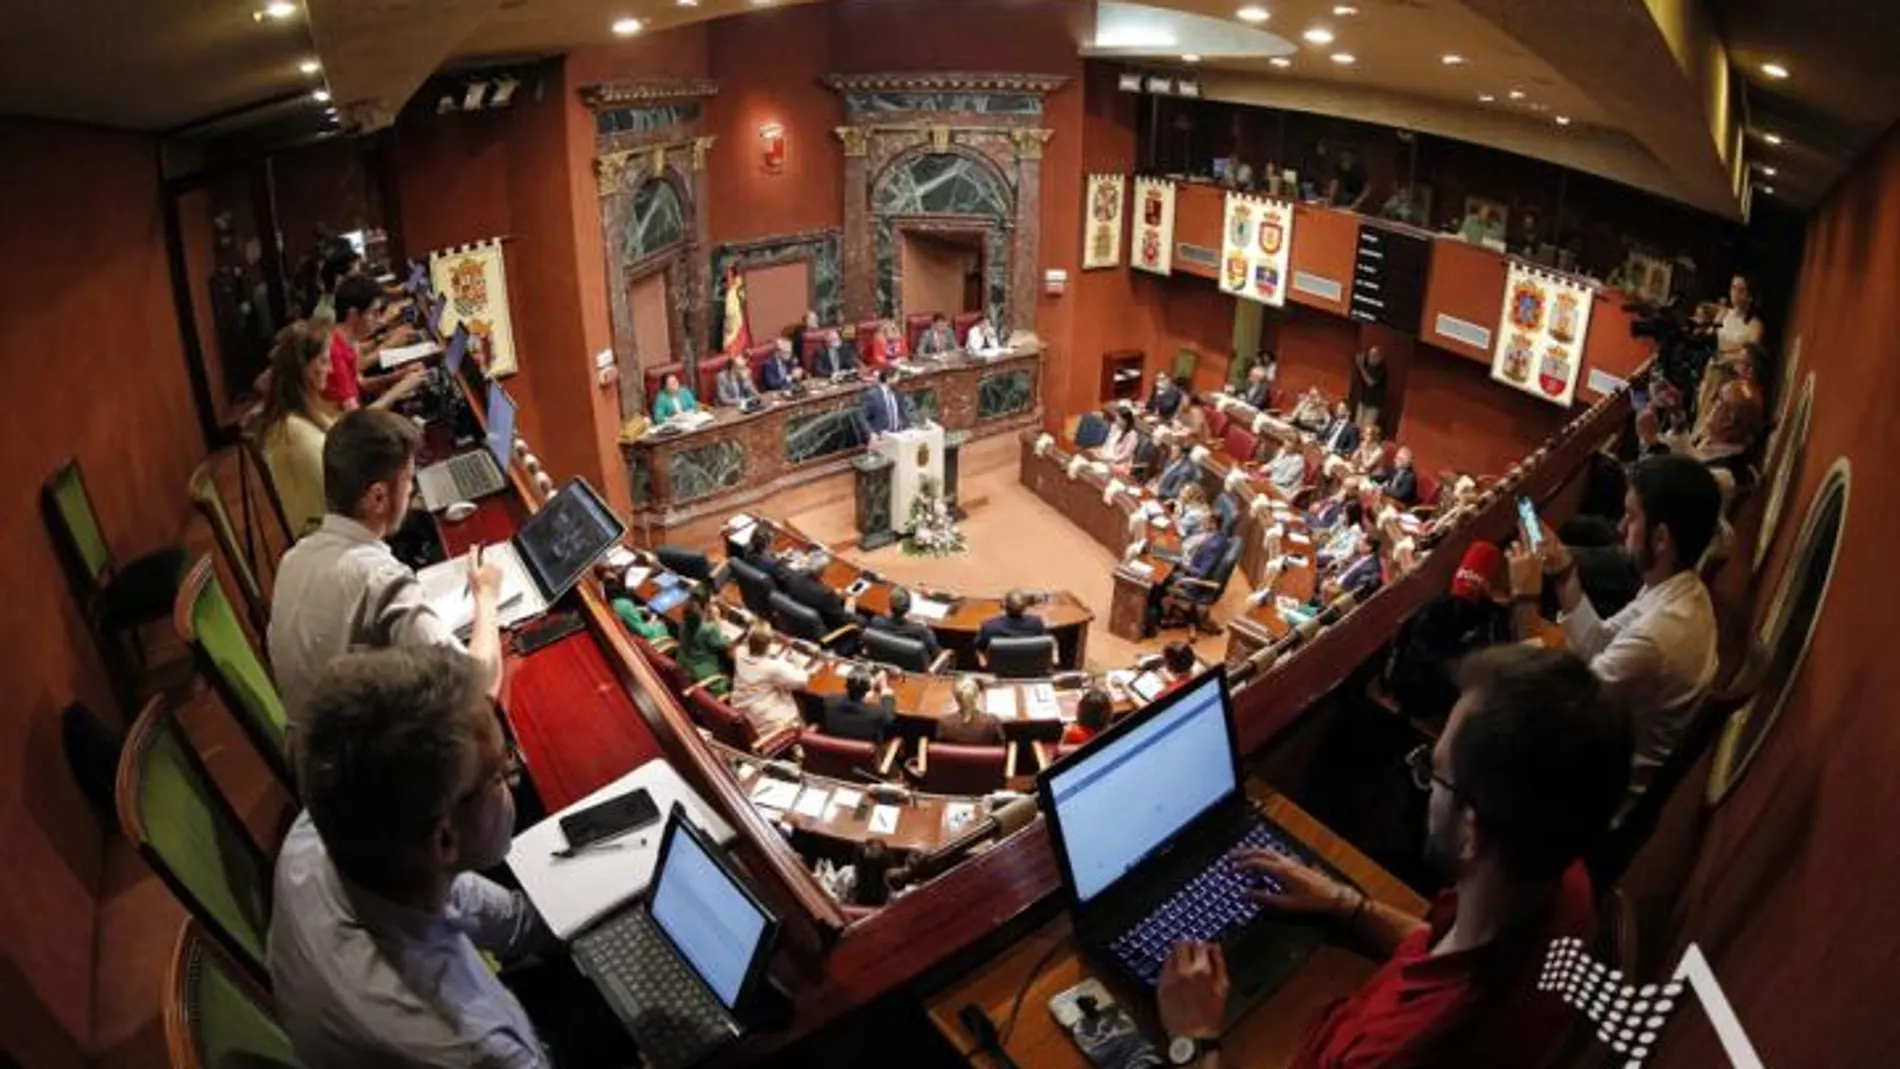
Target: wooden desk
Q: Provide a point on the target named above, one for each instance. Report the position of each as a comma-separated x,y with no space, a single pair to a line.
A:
924,824
1265,1039
743,457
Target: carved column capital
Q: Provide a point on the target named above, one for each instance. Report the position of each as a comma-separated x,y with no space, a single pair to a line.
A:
939,138
1029,142
701,146
857,139
608,170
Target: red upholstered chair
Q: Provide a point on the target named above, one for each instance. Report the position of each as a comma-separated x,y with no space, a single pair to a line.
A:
961,324
730,726
655,377
755,357
946,768
848,759
1388,451
1428,487
708,385
1240,443
1217,422
914,326
809,349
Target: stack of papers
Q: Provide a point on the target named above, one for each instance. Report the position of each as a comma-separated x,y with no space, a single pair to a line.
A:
770,792
445,589
739,529
1040,702
957,816
395,356
925,608
1000,702
1148,686
812,802
845,798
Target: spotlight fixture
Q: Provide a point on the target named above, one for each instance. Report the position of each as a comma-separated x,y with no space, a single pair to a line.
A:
1769,172
1253,13
504,93
309,66
1774,70
1345,59
1188,87
1773,139
1129,82
1768,190
321,96
472,96
689,3
1486,98
627,27
1318,35
1451,59
1345,11
1563,120
1191,58
1517,94
1281,62
276,11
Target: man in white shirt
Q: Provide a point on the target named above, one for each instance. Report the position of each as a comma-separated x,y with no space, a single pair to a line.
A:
1287,469
341,589
1658,655
983,337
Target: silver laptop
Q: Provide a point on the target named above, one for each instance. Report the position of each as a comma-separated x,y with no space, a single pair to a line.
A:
477,473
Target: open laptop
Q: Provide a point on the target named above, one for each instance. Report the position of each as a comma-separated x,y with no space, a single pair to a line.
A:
477,473
548,554
683,967
1144,820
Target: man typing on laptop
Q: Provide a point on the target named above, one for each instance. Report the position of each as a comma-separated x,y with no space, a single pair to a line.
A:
1531,766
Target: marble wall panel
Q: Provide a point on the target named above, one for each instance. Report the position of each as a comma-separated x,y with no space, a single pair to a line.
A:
706,469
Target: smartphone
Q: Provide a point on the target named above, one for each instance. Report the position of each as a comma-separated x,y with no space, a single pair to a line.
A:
614,817
1533,527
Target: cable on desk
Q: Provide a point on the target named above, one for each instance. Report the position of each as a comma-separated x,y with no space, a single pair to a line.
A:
1016,1004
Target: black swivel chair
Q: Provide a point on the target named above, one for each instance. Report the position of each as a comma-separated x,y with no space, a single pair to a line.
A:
1197,596
802,621
1091,431
900,651
1023,656
685,562
755,587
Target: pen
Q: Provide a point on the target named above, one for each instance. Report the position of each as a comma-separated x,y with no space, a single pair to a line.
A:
612,839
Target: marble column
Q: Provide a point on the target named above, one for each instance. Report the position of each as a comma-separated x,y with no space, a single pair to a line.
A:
858,285
698,270
874,473
1024,283
952,469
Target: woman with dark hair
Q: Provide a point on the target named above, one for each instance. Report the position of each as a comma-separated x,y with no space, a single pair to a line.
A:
702,646
1092,715
295,421
1122,435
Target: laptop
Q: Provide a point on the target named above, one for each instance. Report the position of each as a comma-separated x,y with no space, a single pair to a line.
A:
477,473
682,968
548,554
1144,820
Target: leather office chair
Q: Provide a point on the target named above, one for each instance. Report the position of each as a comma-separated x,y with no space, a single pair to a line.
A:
191,837
1217,423
914,326
659,657
1239,443
866,330
901,651
684,561
848,759
202,488
755,587
947,768
731,727
755,359
799,620
231,665
654,378
1022,656
961,323
115,600
706,378
1090,431
215,1014
1197,596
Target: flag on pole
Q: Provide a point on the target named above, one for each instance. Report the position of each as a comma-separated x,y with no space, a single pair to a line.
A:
738,333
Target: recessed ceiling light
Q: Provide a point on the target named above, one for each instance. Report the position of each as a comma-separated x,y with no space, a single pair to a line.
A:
276,9
1770,171
1253,13
1486,98
1345,10
1563,120
689,3
1773,139
1281,62
1451,59
1190,58
1345,59
627,27
321,96
1774,70
1770,190
1318,35
1517,94
309,66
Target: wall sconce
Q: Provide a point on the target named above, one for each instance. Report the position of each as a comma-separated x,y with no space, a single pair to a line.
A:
772,147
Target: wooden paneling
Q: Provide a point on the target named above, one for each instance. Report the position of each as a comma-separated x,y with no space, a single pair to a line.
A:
1325,244
1609,347
1199,213
1468,283
1457,419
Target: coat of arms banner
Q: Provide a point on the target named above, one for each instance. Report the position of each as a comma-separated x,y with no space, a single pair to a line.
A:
1256,246
474,279
1102,230
1154,225
1541,333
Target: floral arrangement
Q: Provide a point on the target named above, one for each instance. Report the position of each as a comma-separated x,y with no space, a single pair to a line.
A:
933,527
1043,444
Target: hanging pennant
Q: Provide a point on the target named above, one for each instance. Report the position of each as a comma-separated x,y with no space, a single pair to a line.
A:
1256,248
1541,333
474,278
1102,230
1153,246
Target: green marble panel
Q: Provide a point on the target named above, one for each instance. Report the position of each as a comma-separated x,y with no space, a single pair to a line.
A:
823,434
1005,393
707,469
920,405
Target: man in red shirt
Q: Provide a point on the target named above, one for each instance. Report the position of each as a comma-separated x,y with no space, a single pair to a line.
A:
357,299
1528,772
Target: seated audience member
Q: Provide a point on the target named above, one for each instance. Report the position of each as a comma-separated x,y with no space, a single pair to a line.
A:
807,328
1348,537
780,369
1658,655
1523,782
1165,399
1402,484
1365,570
1200,556
673,398
1123,432
765,684
734,383
937,339
887,347
1015,622
358,302
1341,436
1257,391
1191,419
703,646
1311,413
1287,470
834,357
294,422
880,409
1178,473
864,711
983,337
1475,614
1727,438
1192,514
637,619
898,622
341,589
1092,715
758,553
1369,458
809,589
1231,503
380,922
1178,665
969,725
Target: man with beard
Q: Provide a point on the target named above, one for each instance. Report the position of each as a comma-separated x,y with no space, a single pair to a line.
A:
1523,780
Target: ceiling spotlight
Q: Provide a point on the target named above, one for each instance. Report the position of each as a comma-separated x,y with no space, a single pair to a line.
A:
689,3
1451,59
505,87
1486,98
1773,139
1253,13
1345,59
1345,11
1191,58
1563,120
1318,35
1769,171
472,96
321,96
309,66
1769,190
1281,62
277,10
1540,107
1517,94
627,27
1774,70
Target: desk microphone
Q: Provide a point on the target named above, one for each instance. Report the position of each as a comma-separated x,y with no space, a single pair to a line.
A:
784,770
890,795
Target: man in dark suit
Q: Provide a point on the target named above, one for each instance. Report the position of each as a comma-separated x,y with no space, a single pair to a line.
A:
808,590
1199,558
1166,399
900,623
834,357
864,711
880,410
1341,436
759,555
1402,484
1181,471
779,370
1015,621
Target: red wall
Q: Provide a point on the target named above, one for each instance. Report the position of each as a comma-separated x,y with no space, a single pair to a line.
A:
88,332
1032,36
769,65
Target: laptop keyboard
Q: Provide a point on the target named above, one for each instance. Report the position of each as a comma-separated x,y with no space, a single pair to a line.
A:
1205,908
473,475
673,1019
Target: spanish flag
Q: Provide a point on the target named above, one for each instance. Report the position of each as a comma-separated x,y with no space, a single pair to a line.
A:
737,336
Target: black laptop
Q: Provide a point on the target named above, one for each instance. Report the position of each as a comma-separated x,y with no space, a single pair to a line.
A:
683,967
1144,820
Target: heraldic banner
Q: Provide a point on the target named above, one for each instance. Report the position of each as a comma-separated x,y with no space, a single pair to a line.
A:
1102,230
1540,335
474,278
1153,247
1256,243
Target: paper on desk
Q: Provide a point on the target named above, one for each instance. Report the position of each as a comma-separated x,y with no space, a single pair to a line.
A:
845,798
445,590
1148,686
770,792
1000,702
884,820
739,529
812,802
572,892
1039,702
394,356
636,575
929,608
957,815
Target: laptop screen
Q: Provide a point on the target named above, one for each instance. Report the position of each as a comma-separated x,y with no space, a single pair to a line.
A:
567,535
501,425
458,348
1127,795
712,920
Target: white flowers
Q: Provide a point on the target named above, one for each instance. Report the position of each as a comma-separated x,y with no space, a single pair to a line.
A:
1075,465
1044,442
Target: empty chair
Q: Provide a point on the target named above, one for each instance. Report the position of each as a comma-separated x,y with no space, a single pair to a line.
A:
848,759
947,768
901,651
230,663
203,490
189,835
116,600
1022,656
1217,422
802,621
755,587
217,1016
706,372
685,562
